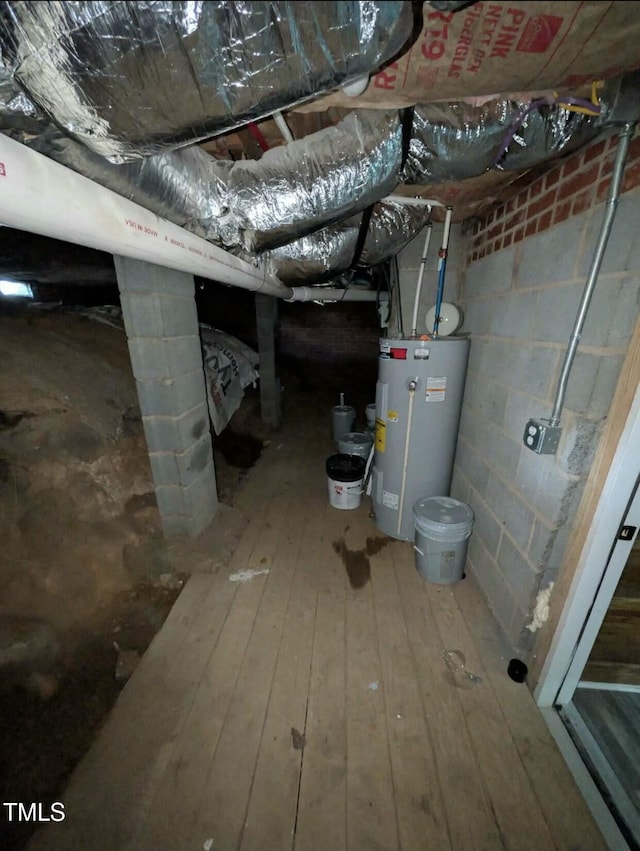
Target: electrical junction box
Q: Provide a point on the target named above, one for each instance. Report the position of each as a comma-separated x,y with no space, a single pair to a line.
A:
541,437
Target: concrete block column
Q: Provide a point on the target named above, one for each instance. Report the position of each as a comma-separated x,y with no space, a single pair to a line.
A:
270,391
161,322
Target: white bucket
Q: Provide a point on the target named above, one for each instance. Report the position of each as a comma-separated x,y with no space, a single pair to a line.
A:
442,530
345,494
345,477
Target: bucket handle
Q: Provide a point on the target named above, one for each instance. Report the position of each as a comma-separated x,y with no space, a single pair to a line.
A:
418,550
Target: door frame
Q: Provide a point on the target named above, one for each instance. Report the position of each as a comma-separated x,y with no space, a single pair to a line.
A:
620,552
591,567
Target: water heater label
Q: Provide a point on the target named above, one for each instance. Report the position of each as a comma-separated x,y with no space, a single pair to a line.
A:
390,500
436,390
381,435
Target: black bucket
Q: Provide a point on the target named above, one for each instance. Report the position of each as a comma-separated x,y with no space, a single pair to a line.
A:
345,468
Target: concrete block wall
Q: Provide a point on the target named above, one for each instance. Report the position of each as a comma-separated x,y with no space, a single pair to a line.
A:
409,266
161,322
526,266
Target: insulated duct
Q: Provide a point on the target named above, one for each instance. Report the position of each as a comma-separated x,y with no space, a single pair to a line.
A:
245,206
301,187
329,252
43,197
131,79
457,141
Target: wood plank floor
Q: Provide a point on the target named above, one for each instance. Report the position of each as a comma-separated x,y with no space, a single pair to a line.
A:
296,711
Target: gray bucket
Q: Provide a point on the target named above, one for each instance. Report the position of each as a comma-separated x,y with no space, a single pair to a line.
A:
355,443
442,529
342,419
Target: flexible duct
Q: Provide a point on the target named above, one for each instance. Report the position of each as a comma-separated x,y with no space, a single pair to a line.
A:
245,206
457,141
308,184
330,252
43,197
131,79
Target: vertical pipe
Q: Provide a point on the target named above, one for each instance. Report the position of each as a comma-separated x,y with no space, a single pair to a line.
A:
407,443
442,268
283,126
423,263
624,138
395,276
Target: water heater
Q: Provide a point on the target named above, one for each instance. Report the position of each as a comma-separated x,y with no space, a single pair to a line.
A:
418,401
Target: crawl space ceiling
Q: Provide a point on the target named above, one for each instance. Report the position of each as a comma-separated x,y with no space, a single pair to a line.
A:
287,133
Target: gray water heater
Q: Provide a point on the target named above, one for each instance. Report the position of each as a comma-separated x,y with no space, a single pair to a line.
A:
418,401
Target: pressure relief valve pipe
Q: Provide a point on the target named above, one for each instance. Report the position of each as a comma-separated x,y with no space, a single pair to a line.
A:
442,268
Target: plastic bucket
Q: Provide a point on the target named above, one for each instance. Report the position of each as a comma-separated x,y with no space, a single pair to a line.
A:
356,443
442,529
345,474
342,419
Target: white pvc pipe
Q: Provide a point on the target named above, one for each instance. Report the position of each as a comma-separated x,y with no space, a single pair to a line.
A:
414,202
442,268
331,294
405,460
284,127
445,237
41,196
44,197
423,263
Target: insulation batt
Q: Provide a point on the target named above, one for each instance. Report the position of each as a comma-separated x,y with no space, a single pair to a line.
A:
131,79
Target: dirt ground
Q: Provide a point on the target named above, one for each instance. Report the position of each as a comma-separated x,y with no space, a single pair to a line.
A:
86,579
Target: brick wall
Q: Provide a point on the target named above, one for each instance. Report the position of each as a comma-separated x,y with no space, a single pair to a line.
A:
526,267
329,334
572,187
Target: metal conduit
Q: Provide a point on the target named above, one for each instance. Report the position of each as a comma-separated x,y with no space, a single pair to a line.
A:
610,211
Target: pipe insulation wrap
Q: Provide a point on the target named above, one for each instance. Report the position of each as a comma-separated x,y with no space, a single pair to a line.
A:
106,71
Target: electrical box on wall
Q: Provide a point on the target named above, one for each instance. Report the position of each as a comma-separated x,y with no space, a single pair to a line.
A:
541,437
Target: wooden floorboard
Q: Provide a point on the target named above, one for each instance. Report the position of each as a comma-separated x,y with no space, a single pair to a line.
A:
371,810
570,822
507,785
297,712
271,815
321,821
470,817
418,794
